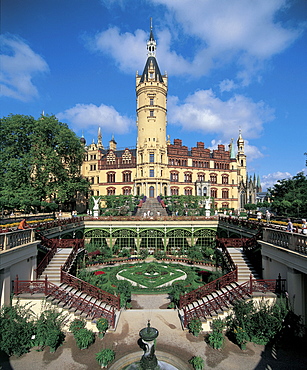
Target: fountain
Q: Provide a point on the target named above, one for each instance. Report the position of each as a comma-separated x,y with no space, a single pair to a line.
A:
148,361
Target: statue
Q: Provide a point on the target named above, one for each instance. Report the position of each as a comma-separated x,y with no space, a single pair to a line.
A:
207,206
96,206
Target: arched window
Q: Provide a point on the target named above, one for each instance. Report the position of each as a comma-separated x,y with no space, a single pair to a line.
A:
225,193
201,177
187,191
111,191
174,176
127,176
127,190
110,177
214,193
213,178
187,177
224,179
174,191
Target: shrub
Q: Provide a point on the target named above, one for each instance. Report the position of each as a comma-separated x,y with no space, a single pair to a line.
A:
16,329
178,288
124,289
197,362
49,329
218,325
102,325
216,339
84,338
76,325
54,338
241,336
105,356
195,326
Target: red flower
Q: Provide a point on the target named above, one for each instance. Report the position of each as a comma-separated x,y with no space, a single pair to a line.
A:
99,272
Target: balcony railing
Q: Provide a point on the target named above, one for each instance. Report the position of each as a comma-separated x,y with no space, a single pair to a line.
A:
14,239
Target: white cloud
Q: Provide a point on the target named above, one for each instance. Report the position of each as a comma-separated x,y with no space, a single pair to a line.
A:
227,85
204,111
128,50
19,64
242,32
251,151
89,116
269,180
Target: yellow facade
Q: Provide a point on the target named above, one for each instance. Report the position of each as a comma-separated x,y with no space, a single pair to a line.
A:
158,167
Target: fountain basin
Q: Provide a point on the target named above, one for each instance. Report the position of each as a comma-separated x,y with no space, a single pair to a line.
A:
166,361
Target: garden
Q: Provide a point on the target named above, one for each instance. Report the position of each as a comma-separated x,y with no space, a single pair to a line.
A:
147,278
256,322
21,331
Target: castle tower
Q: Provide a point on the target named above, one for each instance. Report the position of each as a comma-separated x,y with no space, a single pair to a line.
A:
241,159
151,93
99,142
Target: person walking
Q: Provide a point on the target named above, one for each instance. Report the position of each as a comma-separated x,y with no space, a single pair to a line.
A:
267,216
304,226
290,226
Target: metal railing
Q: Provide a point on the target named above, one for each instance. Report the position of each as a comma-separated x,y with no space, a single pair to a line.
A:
227,299
68,299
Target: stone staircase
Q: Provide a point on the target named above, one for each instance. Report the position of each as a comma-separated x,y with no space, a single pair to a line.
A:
245,268
151,208
53,270
80,304
218,303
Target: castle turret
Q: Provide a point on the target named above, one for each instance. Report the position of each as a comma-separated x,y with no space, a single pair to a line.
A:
151,93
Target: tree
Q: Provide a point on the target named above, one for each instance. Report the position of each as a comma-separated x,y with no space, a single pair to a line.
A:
290,196
40,161
250,206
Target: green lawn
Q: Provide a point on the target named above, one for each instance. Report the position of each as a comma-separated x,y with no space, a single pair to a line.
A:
152,275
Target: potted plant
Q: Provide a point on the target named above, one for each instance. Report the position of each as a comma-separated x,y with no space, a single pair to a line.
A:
102,325
105,356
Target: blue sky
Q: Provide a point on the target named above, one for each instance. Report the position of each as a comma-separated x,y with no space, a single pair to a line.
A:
232,65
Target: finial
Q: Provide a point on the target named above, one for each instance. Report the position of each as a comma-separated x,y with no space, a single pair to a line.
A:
150,23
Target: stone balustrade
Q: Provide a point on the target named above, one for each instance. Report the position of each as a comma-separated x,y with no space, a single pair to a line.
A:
292,241
16,238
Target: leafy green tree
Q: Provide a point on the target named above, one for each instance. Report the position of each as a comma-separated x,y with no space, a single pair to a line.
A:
40,162
290,196
250,206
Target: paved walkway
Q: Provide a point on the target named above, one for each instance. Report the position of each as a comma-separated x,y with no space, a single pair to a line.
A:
172,339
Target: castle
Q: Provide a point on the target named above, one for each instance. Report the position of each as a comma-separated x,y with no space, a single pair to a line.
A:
156,166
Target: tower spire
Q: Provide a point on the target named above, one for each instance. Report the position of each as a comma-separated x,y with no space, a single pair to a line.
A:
151,43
